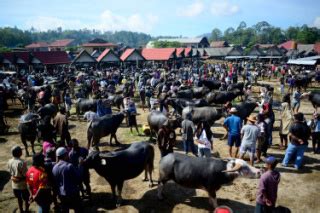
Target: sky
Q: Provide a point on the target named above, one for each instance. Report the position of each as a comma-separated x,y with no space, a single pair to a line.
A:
188,18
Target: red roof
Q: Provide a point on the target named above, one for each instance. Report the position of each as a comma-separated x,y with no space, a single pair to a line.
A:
219,44
99,45
187,51
179,52
288,45
37,45
317,47
9,56
104,54
126,54
158,54
52,57
25,56
61,43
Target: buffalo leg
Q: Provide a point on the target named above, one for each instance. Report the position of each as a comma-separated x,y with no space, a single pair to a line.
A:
160,189
113,189
32,146
25,146
119,189
115,137
213,199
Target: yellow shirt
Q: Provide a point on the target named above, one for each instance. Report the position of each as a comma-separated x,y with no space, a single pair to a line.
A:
18,168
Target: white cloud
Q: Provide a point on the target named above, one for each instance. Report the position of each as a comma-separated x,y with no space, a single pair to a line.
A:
43,23
107,21
191,10
136,22
316,22
224,8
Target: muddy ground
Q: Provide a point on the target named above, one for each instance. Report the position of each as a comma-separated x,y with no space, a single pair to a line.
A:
298,190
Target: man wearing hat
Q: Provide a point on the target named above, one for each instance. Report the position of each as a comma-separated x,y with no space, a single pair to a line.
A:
249,134
299,134
233,126
268,187
67,180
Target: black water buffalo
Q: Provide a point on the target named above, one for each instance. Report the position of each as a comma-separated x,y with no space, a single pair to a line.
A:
47,110
118,166
314,98
84,105
211,84
199,92
222,97
178,103
245,109
186,94
116,100
239,86
28,130
156,119
202,173
208,114
103,127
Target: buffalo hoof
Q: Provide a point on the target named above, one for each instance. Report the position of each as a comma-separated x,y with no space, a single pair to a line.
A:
145,179
118,144
150,185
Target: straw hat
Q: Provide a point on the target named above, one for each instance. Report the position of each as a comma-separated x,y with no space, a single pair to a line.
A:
252,118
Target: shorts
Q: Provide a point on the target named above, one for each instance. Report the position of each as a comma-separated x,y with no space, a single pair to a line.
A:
260,143
248,148
21,193
295,104
234,140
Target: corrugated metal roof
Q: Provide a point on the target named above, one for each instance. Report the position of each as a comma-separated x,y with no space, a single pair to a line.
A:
218,52
84,54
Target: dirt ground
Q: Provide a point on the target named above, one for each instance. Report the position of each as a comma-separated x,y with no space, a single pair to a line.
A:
298,190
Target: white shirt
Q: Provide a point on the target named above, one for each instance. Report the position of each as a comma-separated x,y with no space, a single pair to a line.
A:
205,143
89,116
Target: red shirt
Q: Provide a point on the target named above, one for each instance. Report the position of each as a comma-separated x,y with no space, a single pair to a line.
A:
37,179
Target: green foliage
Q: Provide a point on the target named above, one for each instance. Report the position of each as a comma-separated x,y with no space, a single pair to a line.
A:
216,35
265,33
4,49
11,37
165,44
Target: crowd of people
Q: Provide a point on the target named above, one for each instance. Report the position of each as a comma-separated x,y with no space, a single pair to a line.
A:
57,171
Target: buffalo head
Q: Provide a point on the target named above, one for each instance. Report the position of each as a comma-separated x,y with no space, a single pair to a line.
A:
242,168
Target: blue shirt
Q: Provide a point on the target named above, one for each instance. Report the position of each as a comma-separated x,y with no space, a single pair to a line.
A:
66,178
74,155
233,123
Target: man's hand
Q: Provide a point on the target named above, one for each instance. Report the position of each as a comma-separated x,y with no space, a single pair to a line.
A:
300,141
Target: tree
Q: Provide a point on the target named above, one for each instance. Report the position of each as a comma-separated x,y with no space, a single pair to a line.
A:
242,25
166,44
216,34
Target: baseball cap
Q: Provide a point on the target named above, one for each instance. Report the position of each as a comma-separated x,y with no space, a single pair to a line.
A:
270,160
61,151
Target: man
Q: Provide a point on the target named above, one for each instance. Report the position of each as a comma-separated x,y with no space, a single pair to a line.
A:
249,134
60,122
166,139
18,168
296,98
299,134
233,126
76,156
67,180
188,129
268,187
38,184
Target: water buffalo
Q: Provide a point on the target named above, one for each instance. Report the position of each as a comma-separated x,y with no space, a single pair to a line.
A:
28,130
103,127
207,114
222,97
187,94
178,103
156,119
116,100
211,84
245,109
314,98
239,86
83,105
202,173
47,110
118,166
199,92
